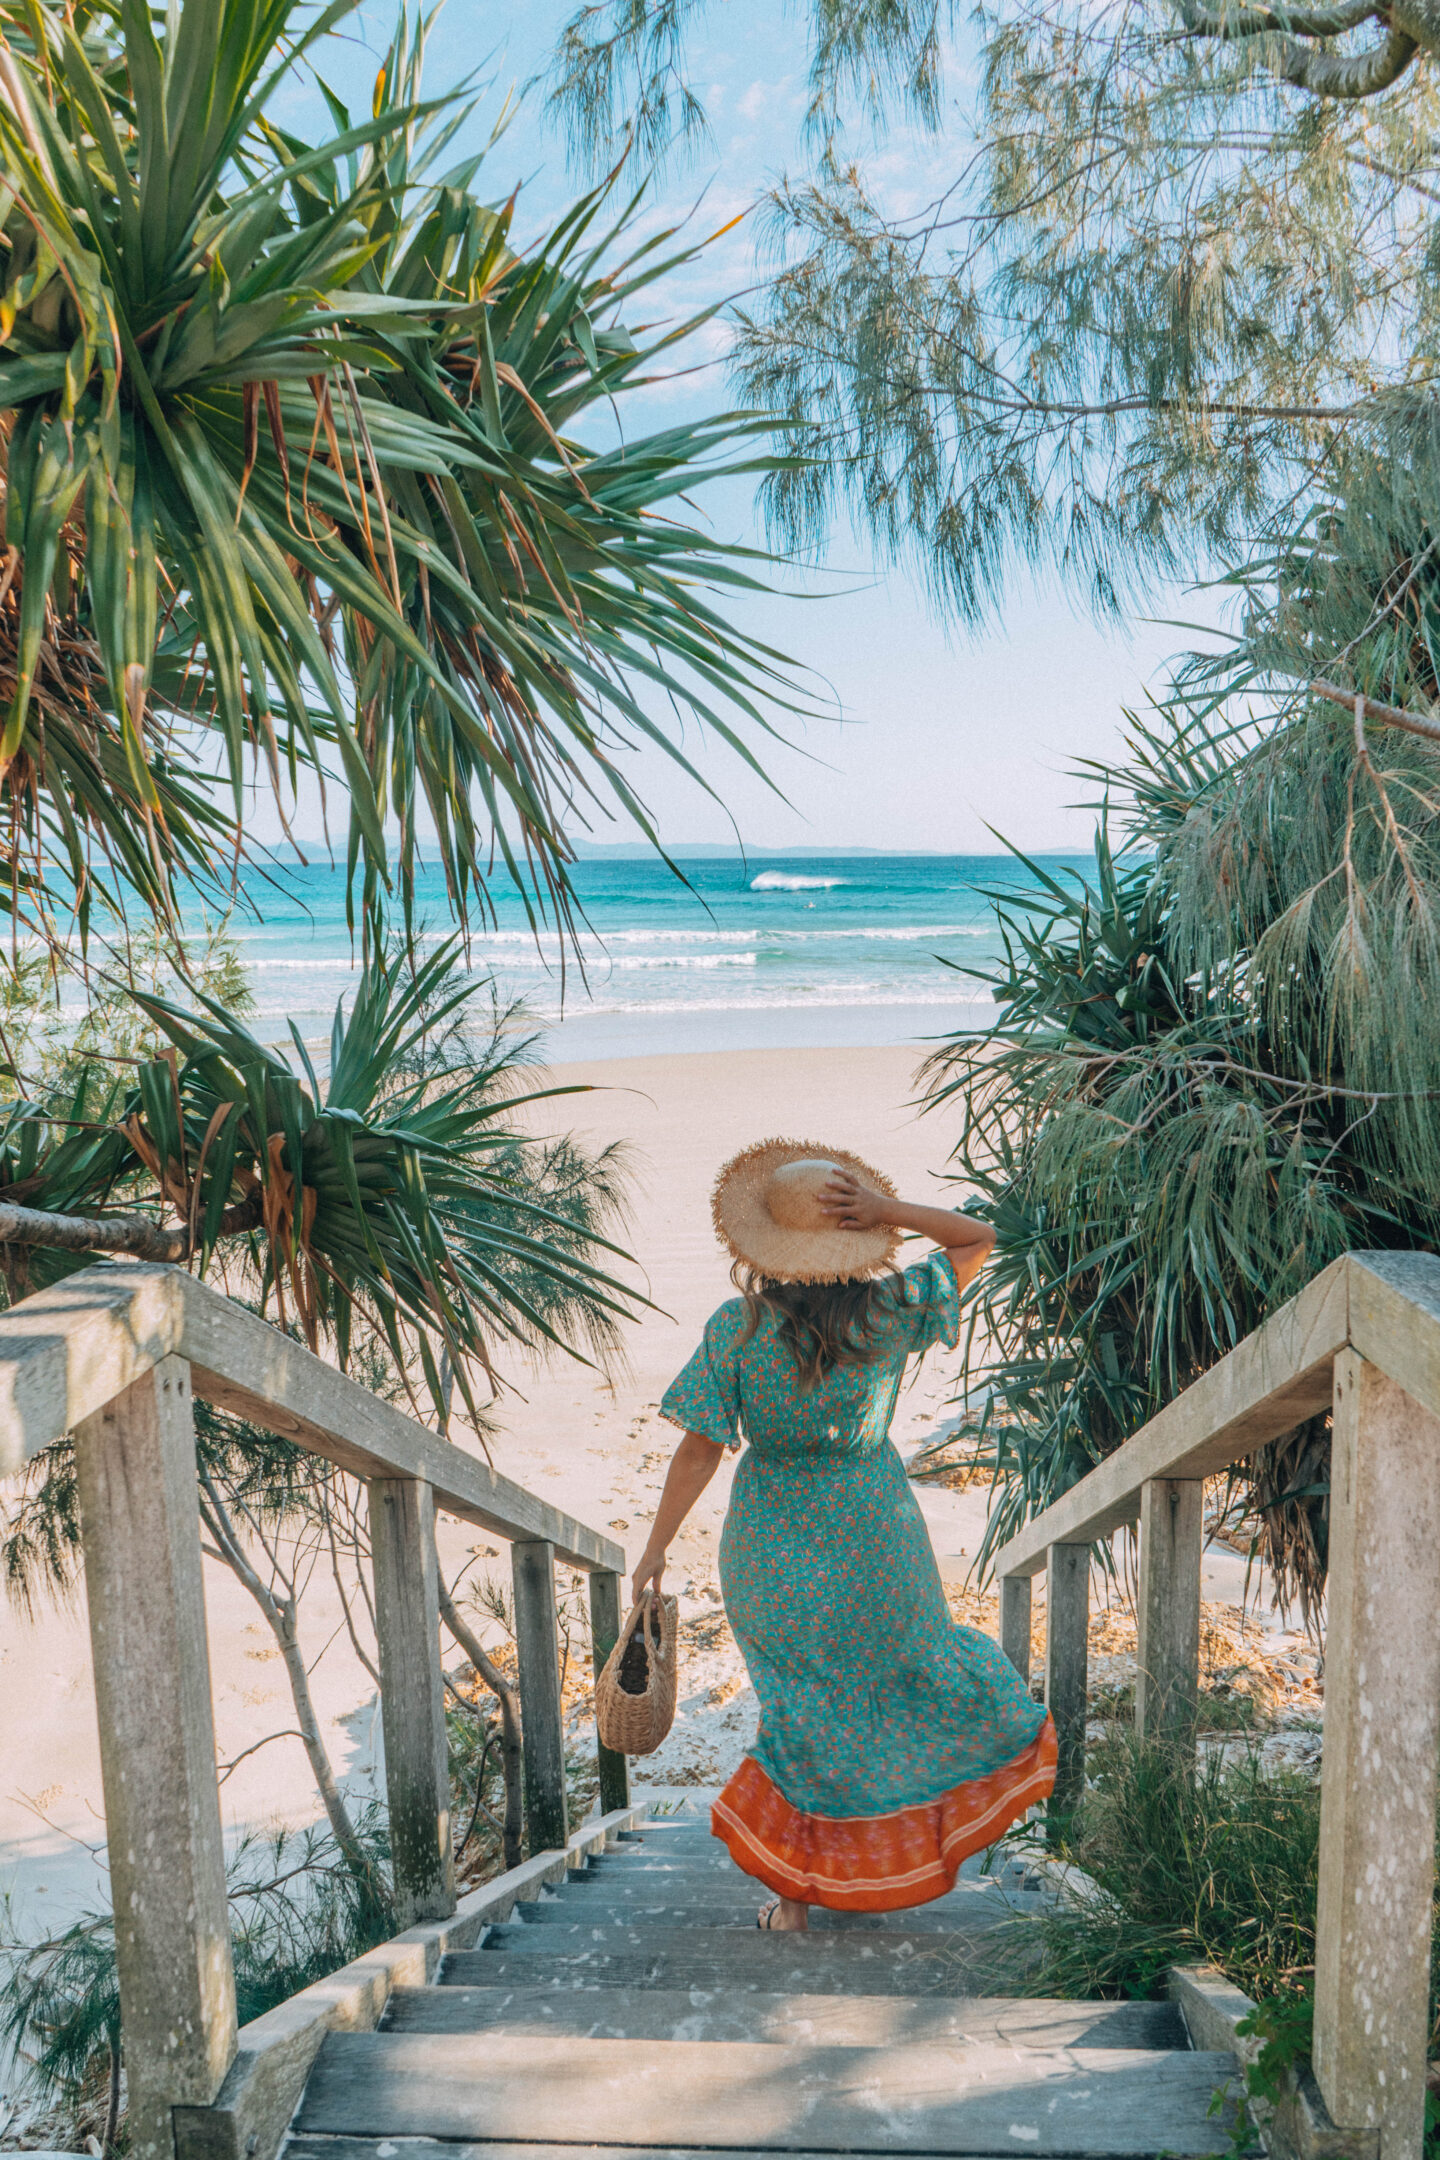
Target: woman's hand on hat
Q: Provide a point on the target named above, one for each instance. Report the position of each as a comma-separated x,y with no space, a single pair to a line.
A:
854,1206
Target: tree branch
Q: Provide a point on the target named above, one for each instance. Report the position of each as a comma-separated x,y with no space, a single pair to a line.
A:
132,1234
508,1697
1337,75
1396,716
1245,22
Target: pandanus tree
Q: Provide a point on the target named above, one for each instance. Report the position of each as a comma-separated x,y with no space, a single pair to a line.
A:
292,476
293,481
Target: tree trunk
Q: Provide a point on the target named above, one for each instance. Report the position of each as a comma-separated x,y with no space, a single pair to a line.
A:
508,1698
282,1618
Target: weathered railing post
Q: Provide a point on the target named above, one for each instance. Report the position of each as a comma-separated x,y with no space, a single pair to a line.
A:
412,1697
604,1634
1167,1677
1015,1622
140,1525
542,1717
1377,1806
1067,1655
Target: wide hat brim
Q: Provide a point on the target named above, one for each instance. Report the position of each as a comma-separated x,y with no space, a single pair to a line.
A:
744,1224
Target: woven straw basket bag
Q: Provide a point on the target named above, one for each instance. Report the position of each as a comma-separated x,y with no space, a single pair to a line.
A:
635,1694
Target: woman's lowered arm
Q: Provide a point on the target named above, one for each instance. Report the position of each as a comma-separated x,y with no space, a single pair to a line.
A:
692,1466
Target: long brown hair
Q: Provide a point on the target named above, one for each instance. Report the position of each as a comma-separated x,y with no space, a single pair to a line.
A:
823,1324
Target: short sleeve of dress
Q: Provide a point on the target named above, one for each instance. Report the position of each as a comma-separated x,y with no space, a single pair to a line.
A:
932,1301
705,1398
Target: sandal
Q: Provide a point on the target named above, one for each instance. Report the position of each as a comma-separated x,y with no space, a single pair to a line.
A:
765,1917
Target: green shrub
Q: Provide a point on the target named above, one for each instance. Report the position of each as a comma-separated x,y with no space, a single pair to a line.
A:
1214,1866
1211,1867
297,1912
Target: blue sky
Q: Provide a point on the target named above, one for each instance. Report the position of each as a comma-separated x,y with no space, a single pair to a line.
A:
940,733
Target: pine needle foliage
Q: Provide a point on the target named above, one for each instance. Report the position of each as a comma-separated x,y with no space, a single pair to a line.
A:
1212,1071
1171,263
293,477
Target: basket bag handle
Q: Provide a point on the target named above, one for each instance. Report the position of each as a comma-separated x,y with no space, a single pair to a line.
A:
662,1651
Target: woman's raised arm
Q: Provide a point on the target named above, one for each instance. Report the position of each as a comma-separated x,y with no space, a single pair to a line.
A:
965,1241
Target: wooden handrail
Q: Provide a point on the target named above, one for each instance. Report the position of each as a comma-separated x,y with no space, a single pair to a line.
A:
1386,1305
67,1351
113,1356
1362,1341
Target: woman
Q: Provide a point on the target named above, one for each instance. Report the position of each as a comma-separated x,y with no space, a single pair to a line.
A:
893,1742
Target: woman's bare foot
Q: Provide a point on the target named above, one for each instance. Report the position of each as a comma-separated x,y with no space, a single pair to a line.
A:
784,1916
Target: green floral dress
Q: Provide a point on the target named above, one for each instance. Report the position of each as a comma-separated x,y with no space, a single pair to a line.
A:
893,1742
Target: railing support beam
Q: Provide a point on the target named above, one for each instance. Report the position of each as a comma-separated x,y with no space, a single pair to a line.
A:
1067,1655
1167,1679
412,1697
1015,1622
1377,1805
542,1718
135,1466
604,1634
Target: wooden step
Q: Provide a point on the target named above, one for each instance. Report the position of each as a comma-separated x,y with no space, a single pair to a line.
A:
739,2096
593,1892
879,1962
833,2020
571,1915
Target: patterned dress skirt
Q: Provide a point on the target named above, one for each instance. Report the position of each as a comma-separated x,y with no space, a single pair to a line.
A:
893,1742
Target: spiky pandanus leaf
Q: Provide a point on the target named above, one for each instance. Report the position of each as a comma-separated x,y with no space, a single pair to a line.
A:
289,474
403,1189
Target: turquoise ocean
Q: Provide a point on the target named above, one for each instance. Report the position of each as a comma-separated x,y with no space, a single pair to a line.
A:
772,951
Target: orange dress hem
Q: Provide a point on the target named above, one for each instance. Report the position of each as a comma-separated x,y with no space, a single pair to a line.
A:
876,1863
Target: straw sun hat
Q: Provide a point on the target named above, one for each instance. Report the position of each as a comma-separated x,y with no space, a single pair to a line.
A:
766,1207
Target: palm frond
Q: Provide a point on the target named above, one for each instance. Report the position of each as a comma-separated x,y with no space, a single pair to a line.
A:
291,480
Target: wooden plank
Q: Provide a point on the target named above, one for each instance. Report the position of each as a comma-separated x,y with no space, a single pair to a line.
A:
1378,1775
140,1522
65,1352
421,2148
733,2095
412,1698
556,1924
1395,1320
246,1366
1167,1677
1015,1622
542,1716
1272,1380
605,1619
830,2020
1067,1656
253,2109
895,1959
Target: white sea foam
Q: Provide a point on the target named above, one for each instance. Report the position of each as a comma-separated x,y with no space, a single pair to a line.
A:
782,881
882,934
635,961
814,1003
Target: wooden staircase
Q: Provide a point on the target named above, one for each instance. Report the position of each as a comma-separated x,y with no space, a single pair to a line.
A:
638,2007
